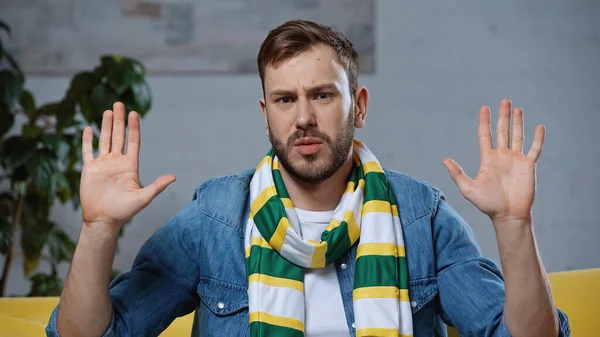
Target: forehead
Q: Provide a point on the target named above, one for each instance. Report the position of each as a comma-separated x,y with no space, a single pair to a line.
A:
312,67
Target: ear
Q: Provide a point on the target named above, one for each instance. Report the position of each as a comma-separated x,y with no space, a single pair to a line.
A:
361,103
263,109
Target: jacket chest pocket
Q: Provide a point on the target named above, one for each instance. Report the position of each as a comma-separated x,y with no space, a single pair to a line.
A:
423,293
223,310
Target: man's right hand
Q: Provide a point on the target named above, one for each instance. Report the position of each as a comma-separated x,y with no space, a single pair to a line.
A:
110,189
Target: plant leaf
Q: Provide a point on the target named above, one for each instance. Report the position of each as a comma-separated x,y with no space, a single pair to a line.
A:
30,264
42,168
65,113
80,91
138,67
13,63
28,104
74,179
19,186
81,85
102,99
10,88
61,246
85,106
35,232
121,76
62,187
16,150
75,144
36,205
19,174
110,61
45,285
58,144
7,119
142,97
31,131
107,62
49,109
7,201
4,26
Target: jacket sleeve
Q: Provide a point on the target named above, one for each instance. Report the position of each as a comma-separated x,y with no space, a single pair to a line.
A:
160,286
471,287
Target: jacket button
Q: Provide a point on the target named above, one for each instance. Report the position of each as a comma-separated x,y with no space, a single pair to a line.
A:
413,304
220,305
343,266
353,326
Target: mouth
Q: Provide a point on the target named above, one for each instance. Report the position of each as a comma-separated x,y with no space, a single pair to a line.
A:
308,145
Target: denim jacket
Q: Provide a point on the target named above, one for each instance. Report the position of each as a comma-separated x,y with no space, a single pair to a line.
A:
196,262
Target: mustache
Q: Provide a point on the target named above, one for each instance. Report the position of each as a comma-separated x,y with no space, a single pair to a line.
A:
313,133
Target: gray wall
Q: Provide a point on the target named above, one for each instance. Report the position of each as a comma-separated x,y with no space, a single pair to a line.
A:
437,62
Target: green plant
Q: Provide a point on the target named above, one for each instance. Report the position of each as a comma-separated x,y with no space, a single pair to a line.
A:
42,163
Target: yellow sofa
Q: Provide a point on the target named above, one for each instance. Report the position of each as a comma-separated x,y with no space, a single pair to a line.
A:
576,292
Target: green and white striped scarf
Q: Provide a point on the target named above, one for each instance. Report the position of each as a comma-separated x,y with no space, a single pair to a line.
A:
276,253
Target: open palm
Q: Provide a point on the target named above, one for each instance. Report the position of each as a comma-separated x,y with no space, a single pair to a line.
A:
504,188
110,189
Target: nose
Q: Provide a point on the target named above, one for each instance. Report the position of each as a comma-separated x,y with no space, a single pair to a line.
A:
305,118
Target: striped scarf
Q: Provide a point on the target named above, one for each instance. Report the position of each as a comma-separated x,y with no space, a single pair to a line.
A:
276,253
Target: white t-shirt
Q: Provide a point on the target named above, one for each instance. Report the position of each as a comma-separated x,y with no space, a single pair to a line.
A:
324,309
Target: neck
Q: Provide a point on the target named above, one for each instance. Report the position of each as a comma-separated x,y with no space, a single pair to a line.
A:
318,197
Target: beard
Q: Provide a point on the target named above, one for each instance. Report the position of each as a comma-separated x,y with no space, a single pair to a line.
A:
312,168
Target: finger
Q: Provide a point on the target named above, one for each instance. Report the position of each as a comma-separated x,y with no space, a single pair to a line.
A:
457,174
106,132
484,131
118,135
517,131
148,193
538,143
133,135
503,128
87,150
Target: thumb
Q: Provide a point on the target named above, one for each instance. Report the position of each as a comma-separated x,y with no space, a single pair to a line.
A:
148,193
458,175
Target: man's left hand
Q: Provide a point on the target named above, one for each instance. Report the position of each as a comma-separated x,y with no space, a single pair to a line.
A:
504,188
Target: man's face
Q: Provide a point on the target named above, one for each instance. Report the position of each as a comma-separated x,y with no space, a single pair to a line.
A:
308,109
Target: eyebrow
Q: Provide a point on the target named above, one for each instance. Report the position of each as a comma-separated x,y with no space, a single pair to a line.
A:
310,91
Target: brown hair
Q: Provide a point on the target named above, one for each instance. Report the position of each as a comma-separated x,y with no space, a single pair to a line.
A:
296,36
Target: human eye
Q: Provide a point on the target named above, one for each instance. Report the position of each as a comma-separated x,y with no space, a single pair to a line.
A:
324,96
285,100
